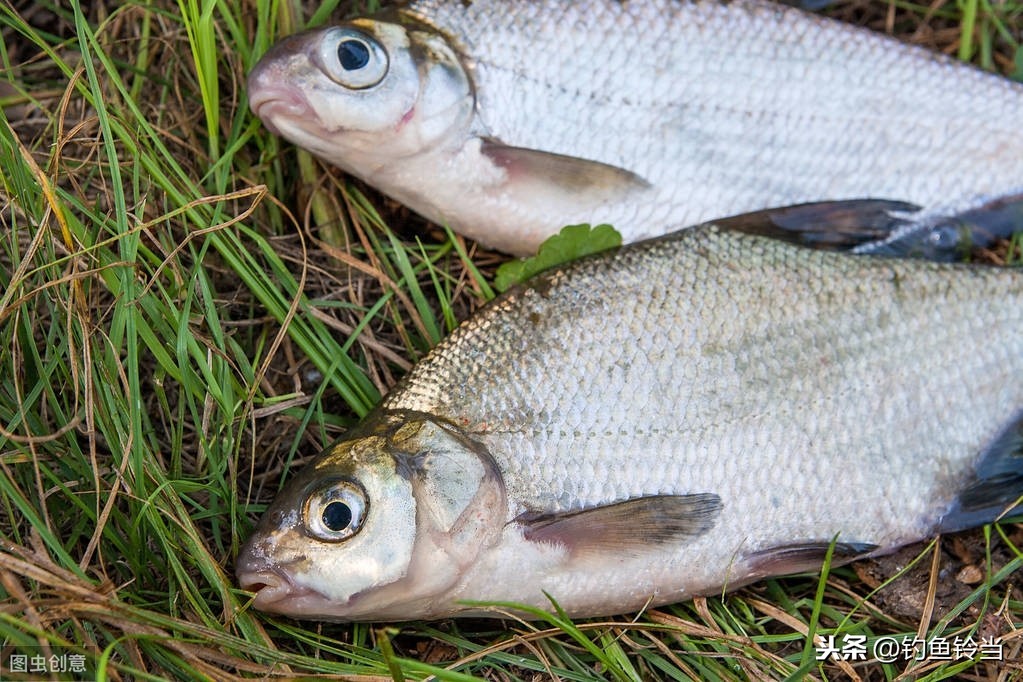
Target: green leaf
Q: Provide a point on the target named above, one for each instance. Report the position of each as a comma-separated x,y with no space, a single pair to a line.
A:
573,242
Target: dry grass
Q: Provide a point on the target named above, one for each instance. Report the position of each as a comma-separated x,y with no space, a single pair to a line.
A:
190,309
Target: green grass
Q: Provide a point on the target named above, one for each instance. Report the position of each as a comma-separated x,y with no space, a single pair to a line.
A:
189,308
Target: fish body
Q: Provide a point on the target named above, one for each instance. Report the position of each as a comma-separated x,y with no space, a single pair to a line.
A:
507,119
681,416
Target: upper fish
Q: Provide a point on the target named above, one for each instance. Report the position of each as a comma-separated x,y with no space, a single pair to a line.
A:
677,417
507,119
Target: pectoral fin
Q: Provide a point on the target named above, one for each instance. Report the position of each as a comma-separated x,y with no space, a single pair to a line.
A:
631,527
536,173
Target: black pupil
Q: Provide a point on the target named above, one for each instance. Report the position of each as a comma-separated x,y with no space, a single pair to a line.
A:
354,54
337,516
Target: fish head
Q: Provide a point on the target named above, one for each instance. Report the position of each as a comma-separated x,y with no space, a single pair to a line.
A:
363,93
380,527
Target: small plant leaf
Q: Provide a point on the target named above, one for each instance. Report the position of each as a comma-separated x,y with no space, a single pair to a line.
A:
573,242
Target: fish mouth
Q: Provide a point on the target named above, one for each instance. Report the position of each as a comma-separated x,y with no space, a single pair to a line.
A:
274,587
277,593
272,584
272,103
270,587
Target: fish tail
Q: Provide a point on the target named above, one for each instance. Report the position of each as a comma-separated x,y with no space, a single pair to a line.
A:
954,238
995,490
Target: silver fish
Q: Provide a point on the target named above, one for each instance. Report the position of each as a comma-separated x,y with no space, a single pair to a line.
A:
678,417
507,119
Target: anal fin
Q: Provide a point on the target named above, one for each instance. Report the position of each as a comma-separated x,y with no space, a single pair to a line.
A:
631,526
805,556
996,488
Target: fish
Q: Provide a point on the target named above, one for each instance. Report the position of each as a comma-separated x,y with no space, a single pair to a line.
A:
677,417
508,119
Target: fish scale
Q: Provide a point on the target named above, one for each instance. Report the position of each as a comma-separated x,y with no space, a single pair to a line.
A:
864,338
838,112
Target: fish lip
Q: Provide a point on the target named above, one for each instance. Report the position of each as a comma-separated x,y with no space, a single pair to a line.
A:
275,102
275,591
268,586
272,583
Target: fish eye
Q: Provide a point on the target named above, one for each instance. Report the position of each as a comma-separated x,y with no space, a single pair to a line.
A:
336,511
353,59
353,54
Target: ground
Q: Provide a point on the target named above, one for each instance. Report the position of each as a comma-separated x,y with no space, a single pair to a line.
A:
191,309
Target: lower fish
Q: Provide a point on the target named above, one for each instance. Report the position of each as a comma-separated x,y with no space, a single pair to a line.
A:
675,418
507,119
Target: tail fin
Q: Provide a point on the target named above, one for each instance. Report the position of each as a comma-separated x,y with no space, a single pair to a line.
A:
955,238
996,489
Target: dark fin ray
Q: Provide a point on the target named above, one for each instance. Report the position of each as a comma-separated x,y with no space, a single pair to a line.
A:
996,486
630,526
956,238
534,170
810,5
800,557
826,225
